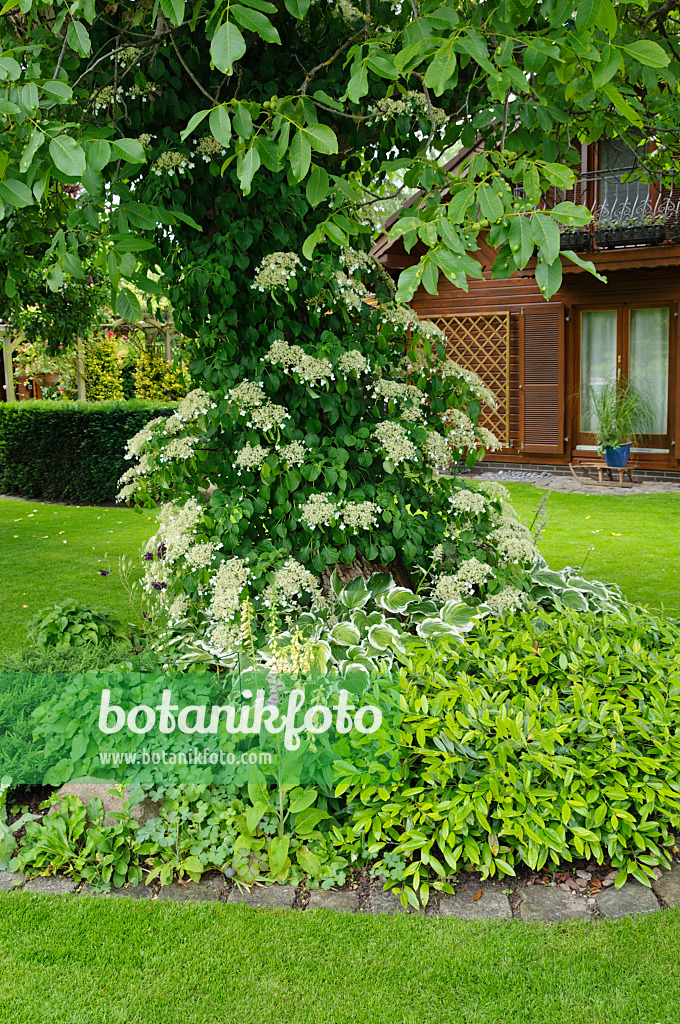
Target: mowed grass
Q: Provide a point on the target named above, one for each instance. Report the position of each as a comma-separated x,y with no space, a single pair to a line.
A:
635,540
79,960
52,552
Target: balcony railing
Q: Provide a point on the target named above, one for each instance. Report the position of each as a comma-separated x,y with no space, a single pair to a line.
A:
625,213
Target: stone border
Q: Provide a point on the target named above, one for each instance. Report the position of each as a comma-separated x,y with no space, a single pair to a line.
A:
472,901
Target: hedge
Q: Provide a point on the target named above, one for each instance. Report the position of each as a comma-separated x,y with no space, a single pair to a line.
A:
68,451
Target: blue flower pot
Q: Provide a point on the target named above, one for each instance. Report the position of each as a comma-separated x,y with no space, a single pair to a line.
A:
616,458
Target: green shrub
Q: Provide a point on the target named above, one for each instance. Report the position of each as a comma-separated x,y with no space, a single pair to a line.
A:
157,380
68,451
543,738
73,624
103,378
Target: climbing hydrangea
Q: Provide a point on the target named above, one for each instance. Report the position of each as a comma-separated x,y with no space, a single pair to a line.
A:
395,442
276,270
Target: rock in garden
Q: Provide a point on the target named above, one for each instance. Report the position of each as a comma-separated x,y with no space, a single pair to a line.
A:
328,899
56,885
548,903
380,902
631,898
207,890
264,896
467,905
667,886
89,787
10,880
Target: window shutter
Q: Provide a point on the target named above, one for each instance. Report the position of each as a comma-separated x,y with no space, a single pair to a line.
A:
541,379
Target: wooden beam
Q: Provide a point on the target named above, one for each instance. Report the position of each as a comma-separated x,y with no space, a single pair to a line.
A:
7,352
80,371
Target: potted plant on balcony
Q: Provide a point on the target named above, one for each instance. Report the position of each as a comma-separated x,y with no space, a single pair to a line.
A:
576,240
622,413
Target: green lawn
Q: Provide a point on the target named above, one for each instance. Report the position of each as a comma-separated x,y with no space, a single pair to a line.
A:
636,540
51,552
76,960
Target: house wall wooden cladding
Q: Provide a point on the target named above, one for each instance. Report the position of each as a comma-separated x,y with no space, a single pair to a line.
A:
481,342
541,379
626,284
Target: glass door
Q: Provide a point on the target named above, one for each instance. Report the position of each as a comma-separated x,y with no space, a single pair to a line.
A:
629,341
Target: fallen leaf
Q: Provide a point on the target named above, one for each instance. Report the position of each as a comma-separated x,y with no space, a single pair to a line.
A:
478,895
596,884
589,517
616,534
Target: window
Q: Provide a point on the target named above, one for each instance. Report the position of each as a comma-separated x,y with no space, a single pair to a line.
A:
634,342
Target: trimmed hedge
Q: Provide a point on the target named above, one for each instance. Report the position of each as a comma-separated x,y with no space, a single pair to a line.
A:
69,451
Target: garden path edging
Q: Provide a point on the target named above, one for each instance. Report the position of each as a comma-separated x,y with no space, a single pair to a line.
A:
545,903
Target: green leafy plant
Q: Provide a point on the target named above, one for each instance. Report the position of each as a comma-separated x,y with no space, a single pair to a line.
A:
8,842
72,624
544,738
622,412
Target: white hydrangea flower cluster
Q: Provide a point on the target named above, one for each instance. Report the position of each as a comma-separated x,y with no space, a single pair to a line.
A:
129,55
200,555
109,95
172,425
289,582
395,442
453,369
403,318
508,599
460,429
175,535
488,440
209,148
227,586
513,542
129,481
276,270
437,451
172,162
469,575
319,510
193,405
360,515
397,391
410,105
294,358
178,448
355,260
493,489
293,454
354,362
352,291
251,401
471,502
142,437
250,457
177,609
348,11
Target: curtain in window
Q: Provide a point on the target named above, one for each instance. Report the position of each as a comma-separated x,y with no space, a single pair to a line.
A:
648,361
598,359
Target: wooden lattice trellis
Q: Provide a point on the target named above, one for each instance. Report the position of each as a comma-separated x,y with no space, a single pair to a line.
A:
481,342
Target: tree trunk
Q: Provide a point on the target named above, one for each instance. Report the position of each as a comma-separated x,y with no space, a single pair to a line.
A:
347,571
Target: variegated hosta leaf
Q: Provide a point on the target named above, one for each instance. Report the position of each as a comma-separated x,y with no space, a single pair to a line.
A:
346,634
380,583
455,613
436,628
355,594
397,601
383,636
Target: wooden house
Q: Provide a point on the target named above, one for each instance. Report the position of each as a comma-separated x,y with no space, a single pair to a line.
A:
540,357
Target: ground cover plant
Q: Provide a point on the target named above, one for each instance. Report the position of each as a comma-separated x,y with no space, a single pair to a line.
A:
634,540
